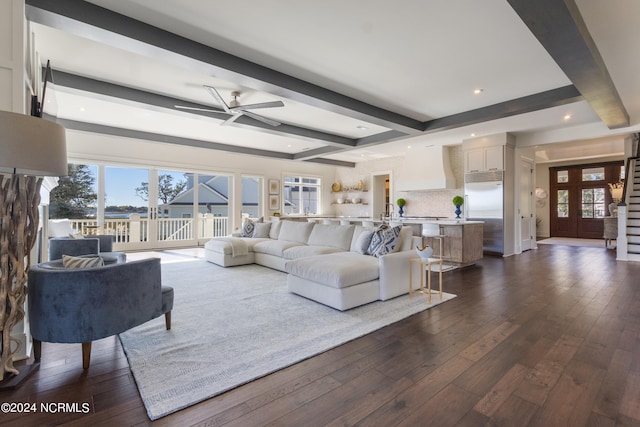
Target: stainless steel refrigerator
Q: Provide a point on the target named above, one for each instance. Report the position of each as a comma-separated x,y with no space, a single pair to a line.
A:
484,201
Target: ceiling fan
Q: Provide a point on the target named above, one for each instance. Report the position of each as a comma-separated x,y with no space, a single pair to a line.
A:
235,109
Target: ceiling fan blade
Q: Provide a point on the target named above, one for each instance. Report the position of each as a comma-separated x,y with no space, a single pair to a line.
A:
208,110
231,119
261,118
217,97
271,104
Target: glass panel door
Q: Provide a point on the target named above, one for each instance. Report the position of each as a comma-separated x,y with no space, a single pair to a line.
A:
252,190
213,205
126,212
174,221
76,198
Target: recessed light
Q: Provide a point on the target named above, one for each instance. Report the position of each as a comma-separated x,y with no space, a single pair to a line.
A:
478,91
567,117
81,108
408,146
473,134
362,127
289,146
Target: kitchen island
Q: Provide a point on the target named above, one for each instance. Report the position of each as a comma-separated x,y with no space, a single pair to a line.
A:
462,244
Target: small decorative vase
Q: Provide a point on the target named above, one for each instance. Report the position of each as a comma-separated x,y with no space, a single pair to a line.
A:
458,211
425,252
401,211
613,209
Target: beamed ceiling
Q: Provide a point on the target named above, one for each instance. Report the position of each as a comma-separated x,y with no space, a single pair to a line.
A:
359,80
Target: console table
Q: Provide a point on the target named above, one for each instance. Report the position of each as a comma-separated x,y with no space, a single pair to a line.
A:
610,230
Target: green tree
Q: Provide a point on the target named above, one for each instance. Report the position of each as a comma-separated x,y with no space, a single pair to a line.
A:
167,190
74,194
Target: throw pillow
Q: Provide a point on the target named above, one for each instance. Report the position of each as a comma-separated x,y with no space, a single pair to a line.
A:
261,229
81,262
249,225
363,241
76,235
384,240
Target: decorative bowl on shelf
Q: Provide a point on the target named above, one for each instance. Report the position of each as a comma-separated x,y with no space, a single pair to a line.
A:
425,252
340,201
355,200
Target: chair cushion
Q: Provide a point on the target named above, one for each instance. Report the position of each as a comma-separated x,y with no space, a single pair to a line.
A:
338,270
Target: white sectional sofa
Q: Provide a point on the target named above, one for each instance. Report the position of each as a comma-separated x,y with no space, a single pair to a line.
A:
326,263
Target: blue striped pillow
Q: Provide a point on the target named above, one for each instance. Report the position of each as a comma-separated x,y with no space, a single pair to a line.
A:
384,240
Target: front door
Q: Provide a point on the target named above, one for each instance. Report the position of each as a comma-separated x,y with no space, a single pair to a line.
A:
579,198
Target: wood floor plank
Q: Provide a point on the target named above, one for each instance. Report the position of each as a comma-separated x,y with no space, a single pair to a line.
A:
630,405
503,389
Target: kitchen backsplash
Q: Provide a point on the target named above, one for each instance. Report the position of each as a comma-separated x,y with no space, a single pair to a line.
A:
419,203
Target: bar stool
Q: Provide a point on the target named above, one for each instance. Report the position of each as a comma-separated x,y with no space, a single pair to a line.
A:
432,230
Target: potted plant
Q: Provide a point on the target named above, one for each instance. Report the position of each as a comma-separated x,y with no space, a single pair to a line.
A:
401,202
458,201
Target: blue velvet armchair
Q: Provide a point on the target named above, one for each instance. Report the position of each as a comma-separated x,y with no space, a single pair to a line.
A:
97,244
84,305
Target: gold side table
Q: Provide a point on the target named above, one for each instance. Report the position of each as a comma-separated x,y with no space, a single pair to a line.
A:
425,265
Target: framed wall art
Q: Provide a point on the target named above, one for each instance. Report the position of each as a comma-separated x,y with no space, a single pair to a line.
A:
274,186
274,202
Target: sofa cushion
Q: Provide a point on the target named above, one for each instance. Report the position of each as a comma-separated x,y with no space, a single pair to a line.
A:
223,246
338,236
362,243
295,231
261,229
248,226
59,227
305,251
274,231
384,240
274,247
339,270
404,242
359,229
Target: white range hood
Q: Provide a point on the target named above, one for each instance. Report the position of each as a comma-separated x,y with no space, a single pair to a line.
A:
425,168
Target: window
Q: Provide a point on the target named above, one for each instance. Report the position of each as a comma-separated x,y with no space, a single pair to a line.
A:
593,174
301,195
563,176
563,203
251,196
593,203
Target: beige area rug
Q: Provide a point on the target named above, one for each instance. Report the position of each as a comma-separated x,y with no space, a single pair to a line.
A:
233,325
568,241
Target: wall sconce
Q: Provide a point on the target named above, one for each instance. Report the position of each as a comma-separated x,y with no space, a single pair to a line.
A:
30,148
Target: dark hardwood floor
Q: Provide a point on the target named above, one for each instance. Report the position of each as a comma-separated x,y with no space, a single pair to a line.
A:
549,337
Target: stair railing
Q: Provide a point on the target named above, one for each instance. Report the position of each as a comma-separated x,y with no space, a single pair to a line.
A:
627,168
630,165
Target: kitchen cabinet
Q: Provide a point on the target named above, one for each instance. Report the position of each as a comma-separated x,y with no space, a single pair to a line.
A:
484,159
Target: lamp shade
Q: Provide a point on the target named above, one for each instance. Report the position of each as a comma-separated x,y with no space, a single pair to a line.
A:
31,146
